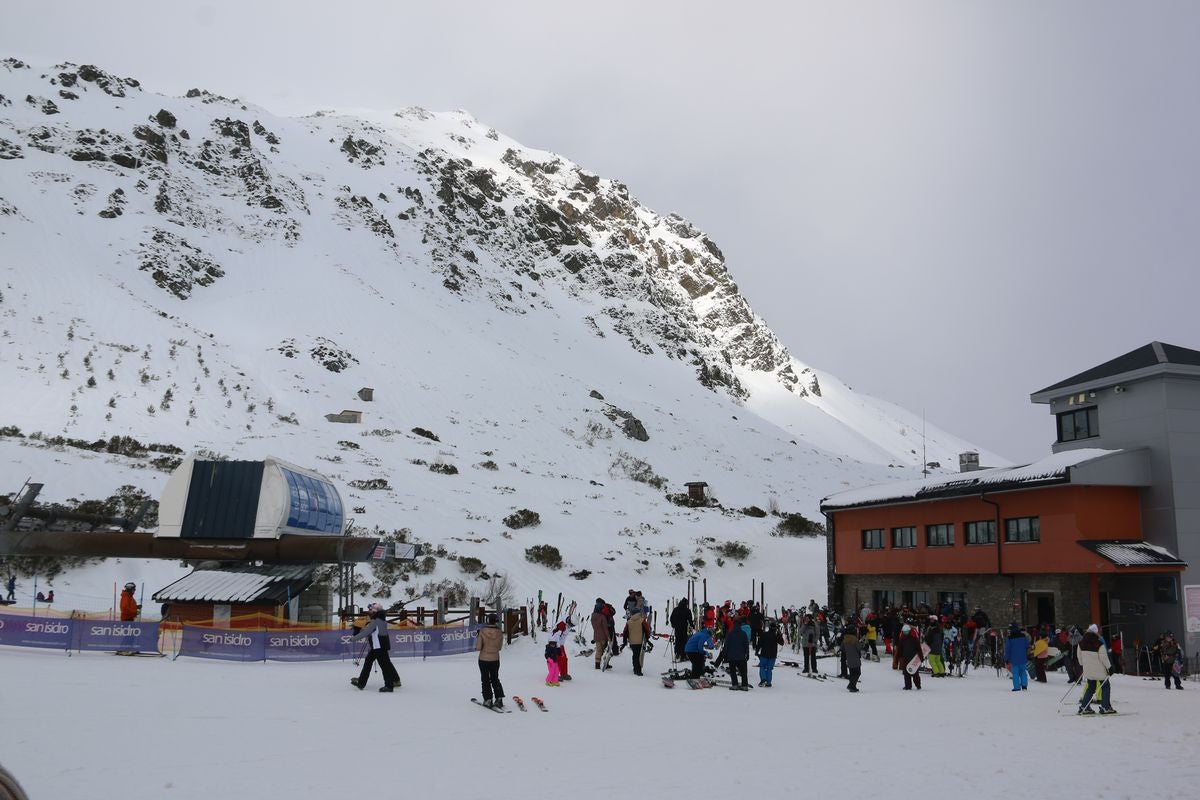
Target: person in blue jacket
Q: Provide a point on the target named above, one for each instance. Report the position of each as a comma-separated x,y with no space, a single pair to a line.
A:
1016,657
694,650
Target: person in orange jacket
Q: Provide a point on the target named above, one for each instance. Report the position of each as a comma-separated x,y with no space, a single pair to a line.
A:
129,606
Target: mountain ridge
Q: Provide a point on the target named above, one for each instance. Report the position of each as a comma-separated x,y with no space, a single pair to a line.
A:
201,272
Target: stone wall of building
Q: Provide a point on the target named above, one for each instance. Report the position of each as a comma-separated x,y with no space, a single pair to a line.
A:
1004,598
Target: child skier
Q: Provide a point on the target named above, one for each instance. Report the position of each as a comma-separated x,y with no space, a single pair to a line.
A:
551,663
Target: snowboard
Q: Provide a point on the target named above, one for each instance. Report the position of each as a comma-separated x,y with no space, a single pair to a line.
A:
914,663
606,660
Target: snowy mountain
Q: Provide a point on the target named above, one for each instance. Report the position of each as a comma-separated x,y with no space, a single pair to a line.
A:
199,274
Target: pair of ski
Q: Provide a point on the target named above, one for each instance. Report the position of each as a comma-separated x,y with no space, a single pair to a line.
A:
537,701
816,676
693,683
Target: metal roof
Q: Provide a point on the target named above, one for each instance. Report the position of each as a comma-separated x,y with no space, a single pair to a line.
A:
238,585
1150,355
1133,553
1052,469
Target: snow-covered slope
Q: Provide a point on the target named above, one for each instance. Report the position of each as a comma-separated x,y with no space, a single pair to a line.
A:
197,272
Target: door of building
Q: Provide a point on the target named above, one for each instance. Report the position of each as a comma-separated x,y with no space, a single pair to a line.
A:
1039,608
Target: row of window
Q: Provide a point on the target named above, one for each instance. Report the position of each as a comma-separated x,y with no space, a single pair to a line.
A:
947,602
1017,529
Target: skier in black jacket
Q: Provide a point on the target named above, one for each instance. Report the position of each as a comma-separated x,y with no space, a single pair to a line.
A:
768,650
735,653
376,633
755,619
681,624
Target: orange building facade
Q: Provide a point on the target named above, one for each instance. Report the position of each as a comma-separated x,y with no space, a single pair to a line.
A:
1044,543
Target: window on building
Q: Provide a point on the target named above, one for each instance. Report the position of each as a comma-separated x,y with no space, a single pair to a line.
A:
904,537
915,599
941,535
883,599
981,532
873,539
1083,423
949,602
1022,529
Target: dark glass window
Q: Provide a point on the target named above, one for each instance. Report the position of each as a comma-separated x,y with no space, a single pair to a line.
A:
1081,424
873,539
952,601
904,537
914,599
981,532
1022,529
883,598
941,535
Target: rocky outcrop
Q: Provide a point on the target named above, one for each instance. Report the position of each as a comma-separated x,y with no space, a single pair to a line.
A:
175,265
498,223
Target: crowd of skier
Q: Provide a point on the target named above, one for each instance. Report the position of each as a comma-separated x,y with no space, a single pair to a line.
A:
943,645
706,637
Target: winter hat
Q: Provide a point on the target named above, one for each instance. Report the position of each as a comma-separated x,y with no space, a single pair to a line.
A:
1093,628
905,629
1013,628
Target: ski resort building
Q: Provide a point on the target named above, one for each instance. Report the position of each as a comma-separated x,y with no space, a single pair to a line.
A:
244,597
1106,529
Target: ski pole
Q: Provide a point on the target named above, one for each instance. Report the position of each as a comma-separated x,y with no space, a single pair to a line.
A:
1070,686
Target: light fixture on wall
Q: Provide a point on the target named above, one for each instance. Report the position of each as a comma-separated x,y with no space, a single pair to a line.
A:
1091,395
1118,389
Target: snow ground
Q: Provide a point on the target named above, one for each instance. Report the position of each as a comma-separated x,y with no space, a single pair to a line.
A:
94,725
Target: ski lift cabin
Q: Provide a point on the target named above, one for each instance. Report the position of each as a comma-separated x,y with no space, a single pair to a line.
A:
268,499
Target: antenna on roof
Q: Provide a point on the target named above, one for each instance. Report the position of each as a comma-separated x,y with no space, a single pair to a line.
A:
924,459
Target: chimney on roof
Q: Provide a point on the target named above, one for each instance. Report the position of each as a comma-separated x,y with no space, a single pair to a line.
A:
968,462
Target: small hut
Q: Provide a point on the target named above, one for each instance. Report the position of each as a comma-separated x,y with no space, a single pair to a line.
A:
366,394
697,491
233,597
347,415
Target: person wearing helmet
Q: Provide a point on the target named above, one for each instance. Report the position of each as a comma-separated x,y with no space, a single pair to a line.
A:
129,606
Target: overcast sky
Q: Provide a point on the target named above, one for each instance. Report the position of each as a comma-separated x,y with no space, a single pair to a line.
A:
947,204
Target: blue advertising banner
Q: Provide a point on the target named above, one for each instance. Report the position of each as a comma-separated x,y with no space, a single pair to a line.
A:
35,631
284,645
287,645
95,634
229,645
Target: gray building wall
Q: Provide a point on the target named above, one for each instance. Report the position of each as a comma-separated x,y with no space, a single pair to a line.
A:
1160,412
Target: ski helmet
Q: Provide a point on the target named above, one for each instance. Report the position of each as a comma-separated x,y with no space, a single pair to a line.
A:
129,587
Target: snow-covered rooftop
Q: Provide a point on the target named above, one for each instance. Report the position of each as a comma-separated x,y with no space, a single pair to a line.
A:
233,586
1133,553
1051,468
